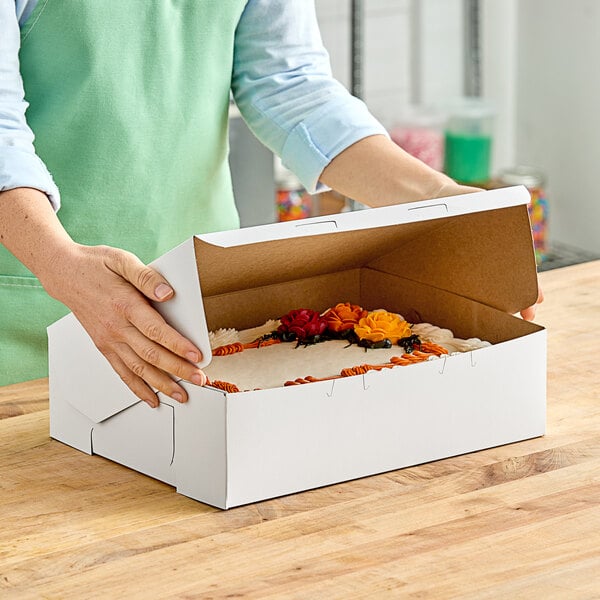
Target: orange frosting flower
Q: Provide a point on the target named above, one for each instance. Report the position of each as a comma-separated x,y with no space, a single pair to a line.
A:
344,316
381,325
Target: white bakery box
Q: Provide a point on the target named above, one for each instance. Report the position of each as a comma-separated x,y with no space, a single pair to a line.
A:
465,263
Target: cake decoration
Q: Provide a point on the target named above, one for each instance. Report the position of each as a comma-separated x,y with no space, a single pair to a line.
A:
265,340
381,329
230,388
410,342
430,351
335,337
343,317
304,325
223,337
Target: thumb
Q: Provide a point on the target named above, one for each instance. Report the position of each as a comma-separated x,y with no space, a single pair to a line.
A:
152,284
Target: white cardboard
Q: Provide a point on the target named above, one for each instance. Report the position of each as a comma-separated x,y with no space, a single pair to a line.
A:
374,217
231,449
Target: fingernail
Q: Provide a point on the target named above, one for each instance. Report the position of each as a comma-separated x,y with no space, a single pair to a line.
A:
163,291
177,396
193,357
198,378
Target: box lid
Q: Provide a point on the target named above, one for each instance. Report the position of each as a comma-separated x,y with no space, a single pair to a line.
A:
475,245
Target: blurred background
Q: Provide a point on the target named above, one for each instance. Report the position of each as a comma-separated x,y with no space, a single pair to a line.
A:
493,92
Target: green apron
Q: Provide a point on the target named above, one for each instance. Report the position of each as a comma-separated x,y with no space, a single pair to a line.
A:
129,105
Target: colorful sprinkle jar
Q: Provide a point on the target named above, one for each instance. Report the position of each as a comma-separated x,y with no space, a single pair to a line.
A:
534,180
292,201
293,204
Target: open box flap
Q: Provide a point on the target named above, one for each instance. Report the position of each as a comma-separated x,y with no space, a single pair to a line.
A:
81,376
465,244
185,311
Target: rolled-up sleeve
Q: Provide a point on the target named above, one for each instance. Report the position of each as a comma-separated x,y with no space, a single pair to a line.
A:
19,164
283,86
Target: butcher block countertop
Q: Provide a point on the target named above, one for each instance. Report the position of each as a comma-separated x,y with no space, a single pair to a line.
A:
518,521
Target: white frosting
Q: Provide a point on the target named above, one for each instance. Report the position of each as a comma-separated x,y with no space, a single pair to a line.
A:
444,337
223,337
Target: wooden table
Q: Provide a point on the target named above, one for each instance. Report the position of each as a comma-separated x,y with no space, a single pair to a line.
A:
519,521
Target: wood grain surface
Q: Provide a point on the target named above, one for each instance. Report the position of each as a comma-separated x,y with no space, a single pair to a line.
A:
518,521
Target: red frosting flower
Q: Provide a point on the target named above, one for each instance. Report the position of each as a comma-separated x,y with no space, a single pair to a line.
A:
344,316
302,324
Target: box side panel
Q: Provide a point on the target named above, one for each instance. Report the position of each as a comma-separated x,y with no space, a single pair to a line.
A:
287,440
67,424
419,302
200,458
140,438
81,376
248,308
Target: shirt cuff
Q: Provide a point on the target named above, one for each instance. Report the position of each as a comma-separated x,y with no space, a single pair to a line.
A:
19,168
322,135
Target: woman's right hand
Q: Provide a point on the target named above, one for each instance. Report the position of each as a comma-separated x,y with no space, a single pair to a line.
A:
108,291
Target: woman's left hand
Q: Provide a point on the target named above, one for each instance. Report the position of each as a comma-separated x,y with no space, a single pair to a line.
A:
529,313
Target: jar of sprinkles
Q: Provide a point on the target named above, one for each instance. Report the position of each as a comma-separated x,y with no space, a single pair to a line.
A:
292,201
534,181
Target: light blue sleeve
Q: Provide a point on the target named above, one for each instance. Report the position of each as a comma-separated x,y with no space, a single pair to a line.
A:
19,164
283,86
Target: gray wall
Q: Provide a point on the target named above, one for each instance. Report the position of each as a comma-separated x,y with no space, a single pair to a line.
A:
558,111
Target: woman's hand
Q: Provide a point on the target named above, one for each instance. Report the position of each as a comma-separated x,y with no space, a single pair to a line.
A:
108,291
529,313
449,187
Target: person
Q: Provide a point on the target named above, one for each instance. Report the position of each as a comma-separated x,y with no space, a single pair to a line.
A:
128,102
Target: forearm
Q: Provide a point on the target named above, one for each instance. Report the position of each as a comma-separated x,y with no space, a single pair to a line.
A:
30,229
377,172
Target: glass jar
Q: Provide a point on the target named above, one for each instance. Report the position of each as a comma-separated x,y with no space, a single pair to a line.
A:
534,180
292,201
420,131
468,142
